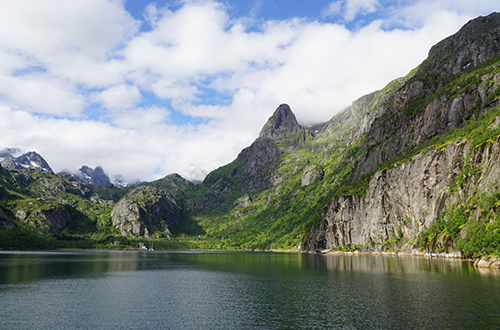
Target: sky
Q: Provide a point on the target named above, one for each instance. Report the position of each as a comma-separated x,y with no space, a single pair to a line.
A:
149,88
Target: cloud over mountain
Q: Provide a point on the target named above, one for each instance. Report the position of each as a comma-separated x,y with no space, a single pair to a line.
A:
184,87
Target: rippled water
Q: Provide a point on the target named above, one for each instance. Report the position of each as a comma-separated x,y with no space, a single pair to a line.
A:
186,290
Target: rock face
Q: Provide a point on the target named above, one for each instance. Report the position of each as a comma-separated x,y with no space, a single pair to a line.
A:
145,211
58,218
401,201
95,177
51,220
281,132
30,160
310,175
281,125
404,200
490,263
6,223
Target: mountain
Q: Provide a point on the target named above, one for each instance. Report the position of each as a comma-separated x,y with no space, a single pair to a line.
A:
410,168
30,160
98,177
95,177
429,157
394,171
254,169
152,209
144,211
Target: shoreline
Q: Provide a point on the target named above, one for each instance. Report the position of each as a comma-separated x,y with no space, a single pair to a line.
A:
482,263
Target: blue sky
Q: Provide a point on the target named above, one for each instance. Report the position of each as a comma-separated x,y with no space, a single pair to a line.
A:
149,88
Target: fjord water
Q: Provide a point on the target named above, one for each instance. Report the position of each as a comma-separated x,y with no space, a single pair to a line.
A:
193,290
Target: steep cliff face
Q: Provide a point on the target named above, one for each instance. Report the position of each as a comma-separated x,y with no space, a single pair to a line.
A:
52,220
401,201
405,200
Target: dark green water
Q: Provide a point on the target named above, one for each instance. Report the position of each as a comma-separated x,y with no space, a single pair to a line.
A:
150,290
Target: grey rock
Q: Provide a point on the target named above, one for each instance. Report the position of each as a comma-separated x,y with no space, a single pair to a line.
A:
145,211
21,214
51,220
310,175
406,199
492,263
281,125
243,202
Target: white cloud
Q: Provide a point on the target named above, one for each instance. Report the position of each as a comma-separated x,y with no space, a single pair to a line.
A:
45,28
147,149
355,7
41,93
119,97
349,9
333,9
59,57
141,118
67,43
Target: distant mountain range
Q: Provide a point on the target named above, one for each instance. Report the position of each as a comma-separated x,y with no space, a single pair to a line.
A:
13,159
411,168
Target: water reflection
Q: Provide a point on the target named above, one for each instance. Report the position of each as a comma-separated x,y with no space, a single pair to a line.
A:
20,267
394,264
242,291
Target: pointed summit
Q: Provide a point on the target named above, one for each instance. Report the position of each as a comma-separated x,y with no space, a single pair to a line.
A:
282,124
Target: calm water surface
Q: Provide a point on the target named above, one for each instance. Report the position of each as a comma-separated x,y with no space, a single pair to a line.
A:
166,290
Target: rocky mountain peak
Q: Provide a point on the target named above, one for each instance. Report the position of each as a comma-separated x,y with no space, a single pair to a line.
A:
476,42
30,160
96,177
281,124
